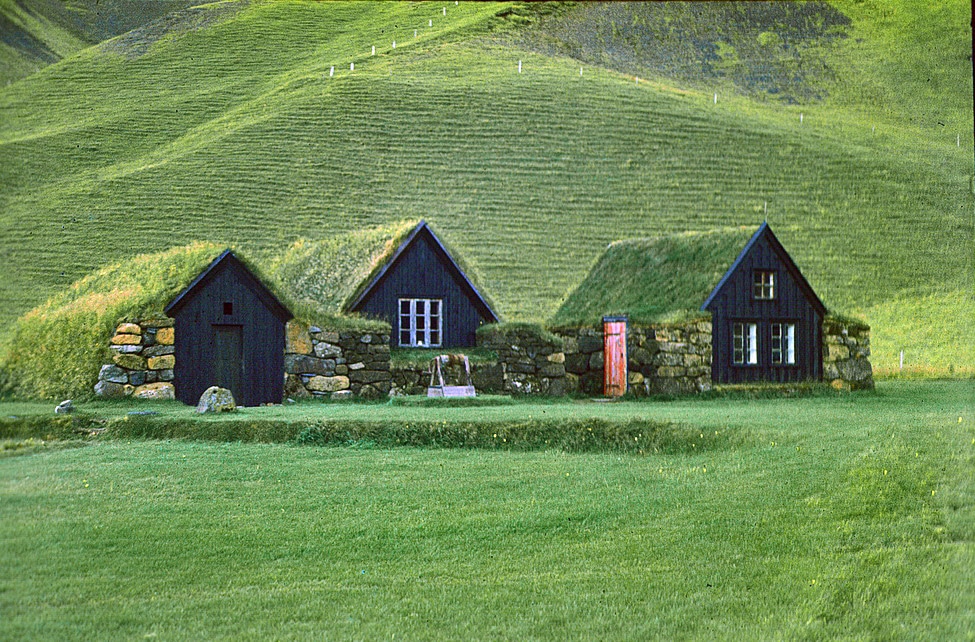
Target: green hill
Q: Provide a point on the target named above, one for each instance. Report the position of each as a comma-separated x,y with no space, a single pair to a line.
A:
226,124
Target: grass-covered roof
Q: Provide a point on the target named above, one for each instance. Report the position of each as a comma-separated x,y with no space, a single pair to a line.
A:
654,280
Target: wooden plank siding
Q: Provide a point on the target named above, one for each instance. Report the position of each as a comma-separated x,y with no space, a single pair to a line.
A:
734,302
200,314
423,270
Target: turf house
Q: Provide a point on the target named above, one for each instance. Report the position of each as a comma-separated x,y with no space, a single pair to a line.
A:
229,332
424,294
726,306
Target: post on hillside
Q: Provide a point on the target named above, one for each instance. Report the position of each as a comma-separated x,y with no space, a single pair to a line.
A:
902,361
331,72
374,50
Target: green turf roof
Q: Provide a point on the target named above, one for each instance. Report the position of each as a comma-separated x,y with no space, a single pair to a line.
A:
654,280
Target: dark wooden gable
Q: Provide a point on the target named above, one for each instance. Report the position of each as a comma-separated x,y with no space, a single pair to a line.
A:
732,301
229,332
422,268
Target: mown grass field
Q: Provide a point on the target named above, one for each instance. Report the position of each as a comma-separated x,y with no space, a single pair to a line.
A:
825,517
231,129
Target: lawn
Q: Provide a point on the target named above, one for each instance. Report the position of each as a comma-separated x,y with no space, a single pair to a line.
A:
825,516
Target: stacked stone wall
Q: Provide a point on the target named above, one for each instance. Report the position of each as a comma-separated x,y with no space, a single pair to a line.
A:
335,363
531,362
846,352
142,361
413,379
665,359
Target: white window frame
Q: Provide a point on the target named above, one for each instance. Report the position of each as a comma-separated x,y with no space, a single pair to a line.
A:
763,289
744,344
430,312
784,344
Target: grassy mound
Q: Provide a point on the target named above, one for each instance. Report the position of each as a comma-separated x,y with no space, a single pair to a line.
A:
656,280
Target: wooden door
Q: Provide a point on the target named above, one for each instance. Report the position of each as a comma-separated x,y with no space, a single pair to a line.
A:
228,359
614,356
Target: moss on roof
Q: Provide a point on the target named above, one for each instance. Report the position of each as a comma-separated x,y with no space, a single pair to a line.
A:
654,280
329,273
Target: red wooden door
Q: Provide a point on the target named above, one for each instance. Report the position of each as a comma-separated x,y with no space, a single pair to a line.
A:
614,356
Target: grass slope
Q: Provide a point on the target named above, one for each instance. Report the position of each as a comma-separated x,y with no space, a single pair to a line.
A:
828,518
247,139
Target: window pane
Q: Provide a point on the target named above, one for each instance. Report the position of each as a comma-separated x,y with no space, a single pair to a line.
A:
738,343
790,343
752,343
404,306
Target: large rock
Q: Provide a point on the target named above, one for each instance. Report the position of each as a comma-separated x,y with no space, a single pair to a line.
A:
589,343
216,399
113,374
328,384
64,407
855,370
111,390
293,388
163,362
158,350
155,391
127,340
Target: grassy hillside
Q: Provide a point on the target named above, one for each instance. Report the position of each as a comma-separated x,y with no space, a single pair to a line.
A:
37,33
230,127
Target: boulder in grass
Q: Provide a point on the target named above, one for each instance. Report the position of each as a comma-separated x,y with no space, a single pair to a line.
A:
111,390
64,407
216,399
157,391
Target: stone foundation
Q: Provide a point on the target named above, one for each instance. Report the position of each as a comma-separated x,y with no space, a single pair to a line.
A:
846,352
529,361
142,363
336,364
671,359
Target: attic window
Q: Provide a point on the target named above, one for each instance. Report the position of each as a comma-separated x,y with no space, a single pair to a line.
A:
764,284
228,308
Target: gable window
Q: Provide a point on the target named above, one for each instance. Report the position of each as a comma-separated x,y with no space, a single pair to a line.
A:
745,343
764,284
784,343
420,323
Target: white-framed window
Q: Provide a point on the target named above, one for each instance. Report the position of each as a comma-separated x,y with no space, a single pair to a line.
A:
784,343
763,285
745,344
420,323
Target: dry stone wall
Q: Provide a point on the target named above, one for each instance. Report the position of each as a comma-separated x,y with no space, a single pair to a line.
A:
142,361
846,352
530,362
661,360
336,364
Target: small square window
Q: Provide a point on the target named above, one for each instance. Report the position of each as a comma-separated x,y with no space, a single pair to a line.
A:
764,284
228,307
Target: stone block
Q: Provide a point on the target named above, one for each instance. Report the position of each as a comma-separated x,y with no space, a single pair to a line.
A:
673,346
577,363
596,361
552,370
151,376
570,345
162,362
488,377
571,383
327,350
113,374
304,364
341,394
296,339
837,352
691,360
556,357
128,328
855,370
328,384
634,378
329,337
110,390
669,359
368,376
149,337
158,350
341,369
126,349
129,361
357,366
670,372
137,378
294,388
166,336
166,375
366,338
370,392
155,391
589,343
641,356
127,340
